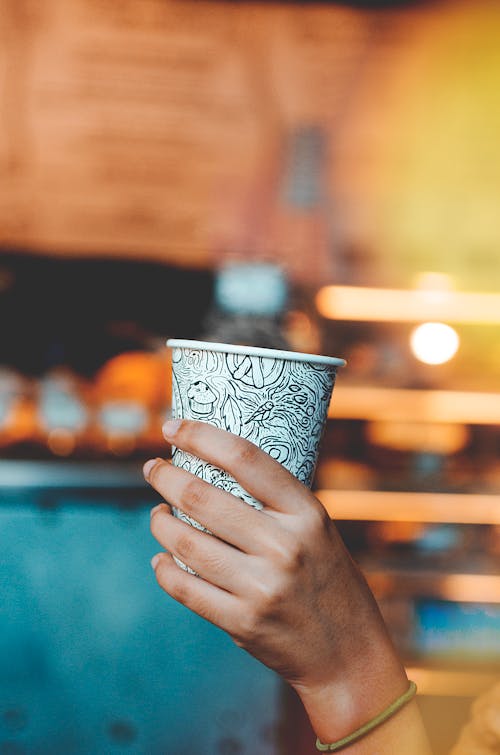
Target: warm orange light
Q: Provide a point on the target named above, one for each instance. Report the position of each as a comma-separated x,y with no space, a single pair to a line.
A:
384,506
61,442
136,376
402,405
120,444
396,305
450,683
467,588
431,437
432,281
434,342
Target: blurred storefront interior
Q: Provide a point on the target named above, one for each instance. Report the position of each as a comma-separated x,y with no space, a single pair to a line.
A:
320,176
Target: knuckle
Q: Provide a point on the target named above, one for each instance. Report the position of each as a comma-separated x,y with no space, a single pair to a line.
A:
187,433
216,562
194,494
185,546
177,583
245,453
269,597
316,521
182,588
249,626
289,553
294,558
179,590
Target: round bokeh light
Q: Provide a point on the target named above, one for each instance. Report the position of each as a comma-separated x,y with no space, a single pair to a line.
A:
434,342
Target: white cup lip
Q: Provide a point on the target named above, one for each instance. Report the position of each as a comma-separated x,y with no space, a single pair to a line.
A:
255,351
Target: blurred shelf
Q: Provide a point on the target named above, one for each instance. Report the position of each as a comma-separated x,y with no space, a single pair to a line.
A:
96,475
404,405
461,588
366,304
376,505
451,683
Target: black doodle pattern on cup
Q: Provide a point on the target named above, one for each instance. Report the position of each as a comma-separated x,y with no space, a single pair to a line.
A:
201,398
280,405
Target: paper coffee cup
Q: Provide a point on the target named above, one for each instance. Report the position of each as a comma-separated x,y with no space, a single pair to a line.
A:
276,399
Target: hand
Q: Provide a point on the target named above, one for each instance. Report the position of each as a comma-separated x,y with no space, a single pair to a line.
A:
279,581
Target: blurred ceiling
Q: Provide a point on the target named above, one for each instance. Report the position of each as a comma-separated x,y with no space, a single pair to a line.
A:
367,4
354,146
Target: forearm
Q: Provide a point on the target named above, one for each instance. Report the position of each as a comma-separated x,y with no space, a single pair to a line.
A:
359,695
403,732
368,678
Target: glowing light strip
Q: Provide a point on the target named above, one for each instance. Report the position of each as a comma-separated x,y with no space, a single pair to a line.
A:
395,305
382,506
467,588
403,405
435,681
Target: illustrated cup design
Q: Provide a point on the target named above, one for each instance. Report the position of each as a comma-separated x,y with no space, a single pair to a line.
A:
201,398
277,400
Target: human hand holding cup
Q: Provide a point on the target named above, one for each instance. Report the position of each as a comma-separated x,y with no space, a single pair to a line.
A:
278,580
277,400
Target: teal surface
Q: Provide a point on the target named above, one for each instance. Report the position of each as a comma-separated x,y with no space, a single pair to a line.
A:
95,659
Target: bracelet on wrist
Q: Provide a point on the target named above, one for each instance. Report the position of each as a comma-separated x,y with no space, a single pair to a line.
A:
370,725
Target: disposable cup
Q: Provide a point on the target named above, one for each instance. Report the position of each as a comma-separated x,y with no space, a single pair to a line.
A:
276,399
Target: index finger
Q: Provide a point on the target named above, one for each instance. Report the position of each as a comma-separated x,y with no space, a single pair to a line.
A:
257,472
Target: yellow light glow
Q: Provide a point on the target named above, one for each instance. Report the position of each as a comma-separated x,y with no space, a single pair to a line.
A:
398,305
450,683
431,281
386,506
445,438
434,342
403,405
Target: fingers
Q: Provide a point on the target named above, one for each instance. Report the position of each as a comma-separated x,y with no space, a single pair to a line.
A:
263,477
217,562
210,602
222,513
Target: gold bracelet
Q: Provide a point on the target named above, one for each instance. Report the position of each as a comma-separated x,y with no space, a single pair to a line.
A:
366,728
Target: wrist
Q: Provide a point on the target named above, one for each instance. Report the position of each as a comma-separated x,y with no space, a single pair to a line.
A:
401,731
354,693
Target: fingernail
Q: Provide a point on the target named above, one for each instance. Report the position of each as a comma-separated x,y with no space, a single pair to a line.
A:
156,508
148,466
170,427
154,561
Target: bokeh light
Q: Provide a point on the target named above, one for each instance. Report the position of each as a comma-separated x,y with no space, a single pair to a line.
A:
434,342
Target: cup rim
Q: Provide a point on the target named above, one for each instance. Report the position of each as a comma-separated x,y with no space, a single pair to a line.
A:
255,351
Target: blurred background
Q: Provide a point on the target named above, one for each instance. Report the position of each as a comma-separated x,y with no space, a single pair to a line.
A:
320,176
